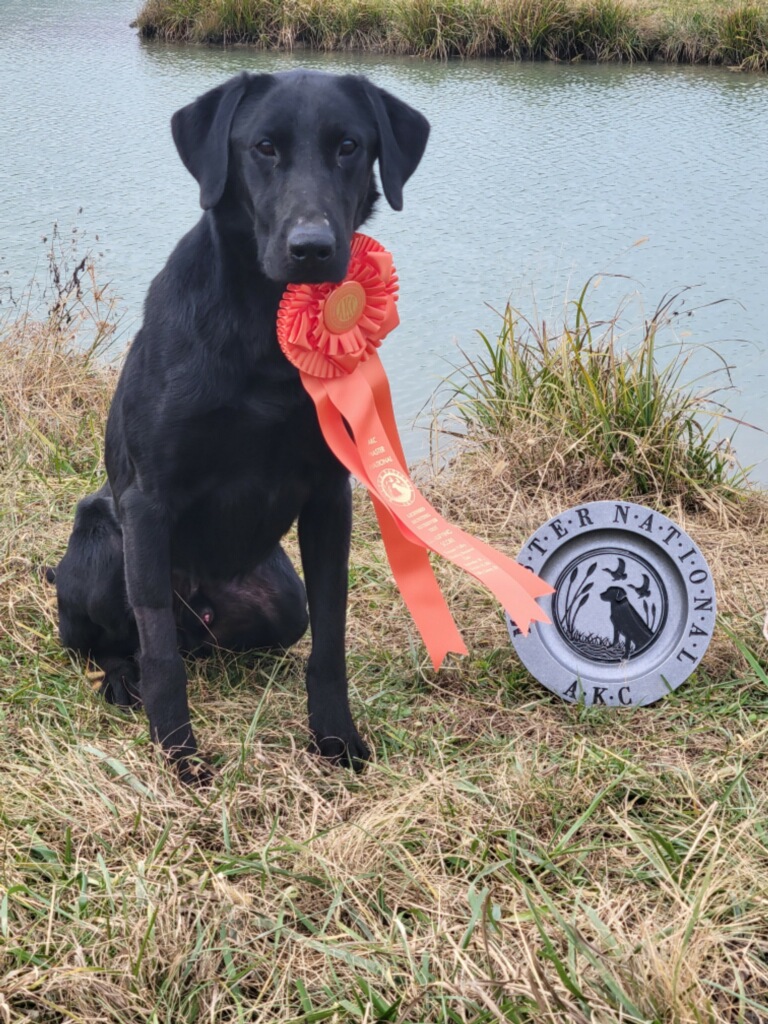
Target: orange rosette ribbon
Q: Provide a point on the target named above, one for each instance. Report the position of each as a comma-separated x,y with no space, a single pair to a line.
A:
331,333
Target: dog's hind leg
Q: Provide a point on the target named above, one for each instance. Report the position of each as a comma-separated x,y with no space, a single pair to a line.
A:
94,617
325,525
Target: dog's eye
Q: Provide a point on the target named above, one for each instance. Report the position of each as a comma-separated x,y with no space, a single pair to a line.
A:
347,147
266,148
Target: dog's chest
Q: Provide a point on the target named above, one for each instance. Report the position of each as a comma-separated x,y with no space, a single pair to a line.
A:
249,468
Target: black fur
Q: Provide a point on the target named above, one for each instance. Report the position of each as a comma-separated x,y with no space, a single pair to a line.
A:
213,448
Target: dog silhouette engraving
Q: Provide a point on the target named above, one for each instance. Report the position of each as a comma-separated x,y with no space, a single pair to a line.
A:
626,621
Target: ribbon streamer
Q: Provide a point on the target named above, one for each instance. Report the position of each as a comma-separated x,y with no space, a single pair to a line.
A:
331,333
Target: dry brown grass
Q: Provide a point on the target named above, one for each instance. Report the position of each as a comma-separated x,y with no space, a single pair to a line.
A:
506,857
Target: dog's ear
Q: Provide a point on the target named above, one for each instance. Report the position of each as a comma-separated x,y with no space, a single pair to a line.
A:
201,133
621,595
403,134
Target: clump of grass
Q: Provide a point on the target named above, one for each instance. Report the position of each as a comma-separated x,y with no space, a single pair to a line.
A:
608,30
625,30
443,28
743,37
594,399
534,30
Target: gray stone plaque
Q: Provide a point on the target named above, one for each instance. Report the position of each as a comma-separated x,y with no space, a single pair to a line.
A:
633,609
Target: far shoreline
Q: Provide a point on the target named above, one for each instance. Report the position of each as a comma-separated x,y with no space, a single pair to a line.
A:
694,32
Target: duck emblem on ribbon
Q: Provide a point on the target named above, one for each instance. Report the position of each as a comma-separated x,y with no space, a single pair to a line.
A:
331,333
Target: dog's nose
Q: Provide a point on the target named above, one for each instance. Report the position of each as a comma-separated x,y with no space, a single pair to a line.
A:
311,243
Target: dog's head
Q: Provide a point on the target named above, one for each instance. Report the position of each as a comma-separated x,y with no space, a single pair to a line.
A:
289,159
616,595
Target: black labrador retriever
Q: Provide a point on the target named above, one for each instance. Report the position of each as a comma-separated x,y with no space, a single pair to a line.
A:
213,448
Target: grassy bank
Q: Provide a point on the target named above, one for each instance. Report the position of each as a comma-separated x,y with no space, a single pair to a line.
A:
685,31
507,857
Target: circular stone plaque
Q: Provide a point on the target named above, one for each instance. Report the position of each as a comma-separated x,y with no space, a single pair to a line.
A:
633,609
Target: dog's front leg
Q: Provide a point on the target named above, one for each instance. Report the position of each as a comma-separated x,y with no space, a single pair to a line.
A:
163,680
325,526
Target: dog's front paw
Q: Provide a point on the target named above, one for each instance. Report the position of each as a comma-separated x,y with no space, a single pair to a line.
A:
193,771
192,767
343,746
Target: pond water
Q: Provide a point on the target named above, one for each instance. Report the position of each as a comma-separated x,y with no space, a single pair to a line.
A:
536,177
